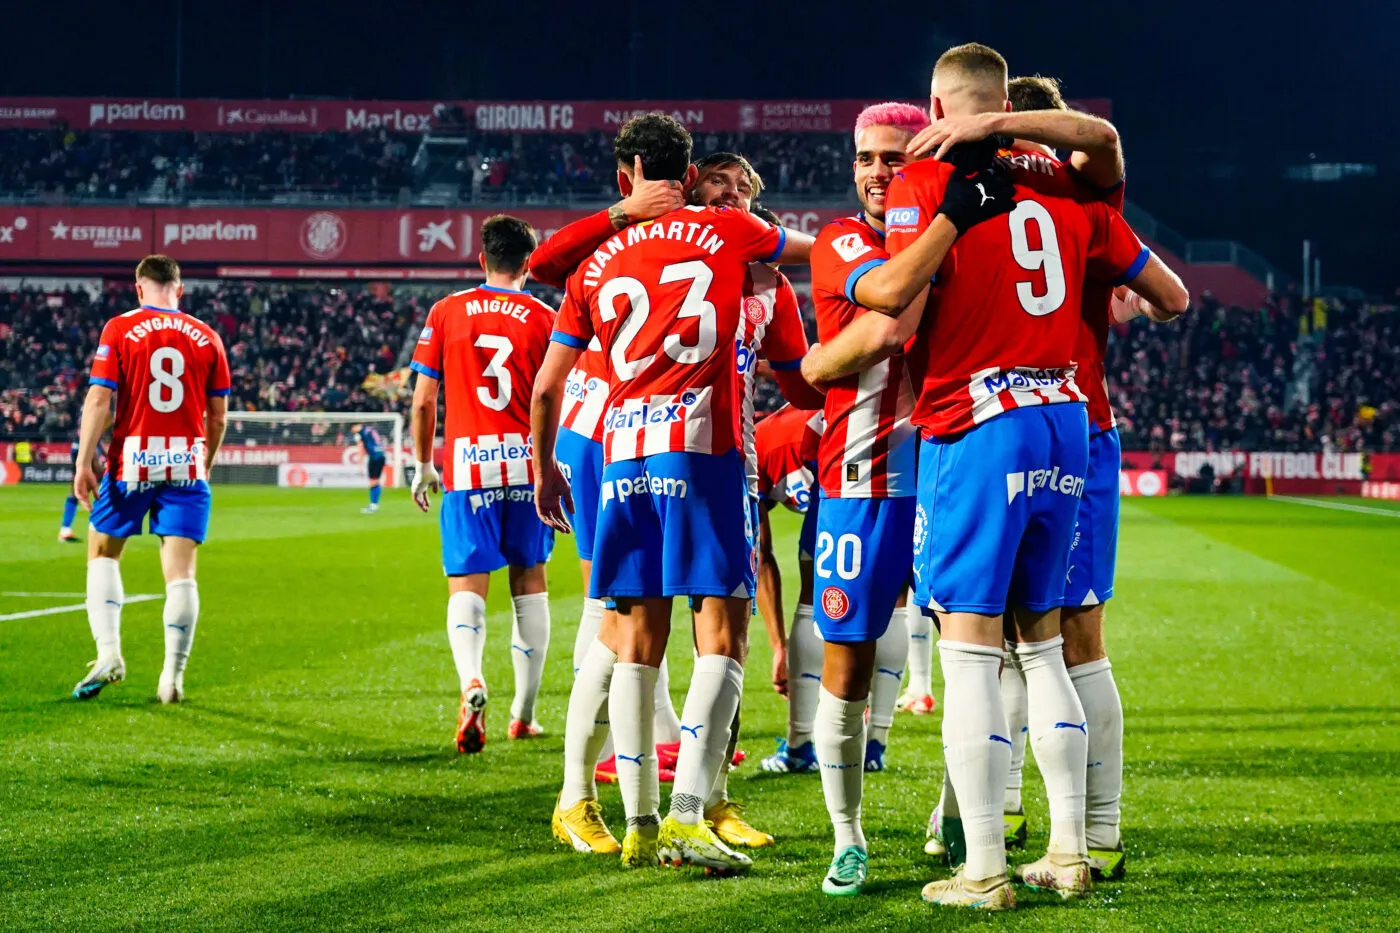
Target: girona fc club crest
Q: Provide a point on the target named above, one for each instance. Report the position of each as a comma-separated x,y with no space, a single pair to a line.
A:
755,310
835,603
323,235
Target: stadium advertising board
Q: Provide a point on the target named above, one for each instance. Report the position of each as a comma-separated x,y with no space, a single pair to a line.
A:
275,236
501,116
1142,482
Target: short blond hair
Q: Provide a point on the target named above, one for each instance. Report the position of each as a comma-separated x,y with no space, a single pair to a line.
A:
973,68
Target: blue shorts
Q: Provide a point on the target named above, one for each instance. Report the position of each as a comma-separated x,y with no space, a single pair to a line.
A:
376,467
483,530
1094,554
581,459
863,554
997,507
178,510
674,524
807,537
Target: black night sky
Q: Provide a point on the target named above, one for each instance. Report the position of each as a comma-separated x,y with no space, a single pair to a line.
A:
1214,100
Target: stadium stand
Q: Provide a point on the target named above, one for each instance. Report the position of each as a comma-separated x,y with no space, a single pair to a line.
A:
1287,376
371,166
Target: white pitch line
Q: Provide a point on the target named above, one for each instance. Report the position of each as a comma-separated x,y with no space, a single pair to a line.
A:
38,595
55,610
1339,506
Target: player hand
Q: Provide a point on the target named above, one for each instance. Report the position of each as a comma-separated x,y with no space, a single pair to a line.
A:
780,672
553,498
975,194
425,479
84,485
941,135
649,198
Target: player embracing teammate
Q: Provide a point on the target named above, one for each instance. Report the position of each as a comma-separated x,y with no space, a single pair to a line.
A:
665,301
1004,454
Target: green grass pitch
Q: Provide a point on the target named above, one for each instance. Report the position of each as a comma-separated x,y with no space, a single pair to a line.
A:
310,781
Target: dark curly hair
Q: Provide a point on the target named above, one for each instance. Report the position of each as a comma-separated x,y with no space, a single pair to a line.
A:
661,141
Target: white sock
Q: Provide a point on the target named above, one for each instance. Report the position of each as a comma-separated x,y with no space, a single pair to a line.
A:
588,624
1103,790
1060,738
839,738
586,728
804,657
891,653
180,615
529,644
977,750
710,704
948,798
1013,698
466,632
720,792
629,707
666,726
920,650
104,606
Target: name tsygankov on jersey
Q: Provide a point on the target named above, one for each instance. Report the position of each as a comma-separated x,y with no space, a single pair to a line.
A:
187,326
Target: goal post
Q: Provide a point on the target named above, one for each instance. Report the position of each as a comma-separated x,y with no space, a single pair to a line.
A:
306,448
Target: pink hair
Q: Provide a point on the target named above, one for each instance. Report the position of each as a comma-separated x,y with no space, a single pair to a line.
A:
892,113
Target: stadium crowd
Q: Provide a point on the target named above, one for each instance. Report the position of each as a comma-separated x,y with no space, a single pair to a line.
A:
371,165
290,348
1273,378
1220,378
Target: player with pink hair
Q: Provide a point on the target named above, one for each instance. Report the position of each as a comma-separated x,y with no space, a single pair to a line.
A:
865,515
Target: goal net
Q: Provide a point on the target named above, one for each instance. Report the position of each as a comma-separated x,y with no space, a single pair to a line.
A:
299,449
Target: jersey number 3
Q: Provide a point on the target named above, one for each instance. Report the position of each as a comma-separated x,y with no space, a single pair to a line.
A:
1045,260
496,369
166,392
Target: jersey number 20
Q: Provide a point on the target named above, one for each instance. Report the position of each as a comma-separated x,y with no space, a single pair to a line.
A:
1046,259
167,366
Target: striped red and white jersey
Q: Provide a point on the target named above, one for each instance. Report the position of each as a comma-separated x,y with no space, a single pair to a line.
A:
1001,330
868,449
486,344
163,365
665,300
586,394
772,330
1092,347
786,443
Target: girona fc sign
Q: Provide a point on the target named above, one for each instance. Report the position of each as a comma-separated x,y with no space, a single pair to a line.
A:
323,235
835,603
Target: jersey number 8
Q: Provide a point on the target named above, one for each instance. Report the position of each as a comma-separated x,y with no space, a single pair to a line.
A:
695,305
1046,259
167,366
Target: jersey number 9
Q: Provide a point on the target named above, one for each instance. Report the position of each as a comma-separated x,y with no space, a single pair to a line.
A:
1046,259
